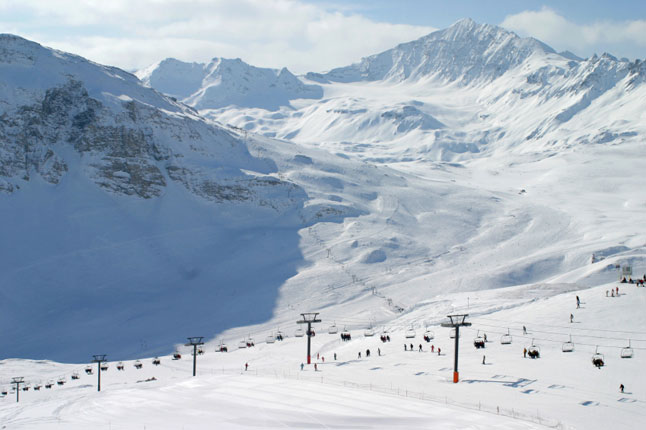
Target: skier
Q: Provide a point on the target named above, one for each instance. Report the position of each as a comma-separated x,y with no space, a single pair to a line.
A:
379,352
617,293
606,293
411,347
405,347
621,387
485,336
571,317
524,352
524,330
317,356
483,359
432,348
367,353
359,356
315,367
246,366
335,356
578,302
439,350
420,347
302,366
323,359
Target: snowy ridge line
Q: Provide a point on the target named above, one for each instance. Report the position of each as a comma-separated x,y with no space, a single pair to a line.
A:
404,392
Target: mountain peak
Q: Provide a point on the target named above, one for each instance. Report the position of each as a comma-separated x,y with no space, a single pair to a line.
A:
465,52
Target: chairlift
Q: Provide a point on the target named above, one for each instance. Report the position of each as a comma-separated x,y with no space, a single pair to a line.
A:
37,387
242,344
369,332
120,366
104,367
479,341
75,376
49,385
333,329
4,392
627,352
452,333
61,381
223,347
156,361
26,387
429,335
250,342
270,339
89,370
200,350
568,346
505,339
598,359
299,332
138,365
410,333
279,335
177,355
533,351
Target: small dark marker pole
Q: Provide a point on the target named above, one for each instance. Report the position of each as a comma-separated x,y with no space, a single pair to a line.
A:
456,321
309,319
99,359
18,381
194,342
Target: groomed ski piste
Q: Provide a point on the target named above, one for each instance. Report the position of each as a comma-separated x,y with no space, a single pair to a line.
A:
395,387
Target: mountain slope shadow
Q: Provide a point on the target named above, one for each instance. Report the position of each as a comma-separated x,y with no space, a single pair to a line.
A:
87,272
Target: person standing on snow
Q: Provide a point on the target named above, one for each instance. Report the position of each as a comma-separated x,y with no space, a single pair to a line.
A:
302,366
578,302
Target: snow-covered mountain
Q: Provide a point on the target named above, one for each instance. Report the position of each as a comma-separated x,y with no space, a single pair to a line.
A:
461,93
381,195
224,82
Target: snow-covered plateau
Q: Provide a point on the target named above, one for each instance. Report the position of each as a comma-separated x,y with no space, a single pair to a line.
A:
468,172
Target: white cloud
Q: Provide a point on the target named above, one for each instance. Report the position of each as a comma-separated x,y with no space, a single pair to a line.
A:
269,33
618,38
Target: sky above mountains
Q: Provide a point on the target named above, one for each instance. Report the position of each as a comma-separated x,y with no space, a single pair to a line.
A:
306,35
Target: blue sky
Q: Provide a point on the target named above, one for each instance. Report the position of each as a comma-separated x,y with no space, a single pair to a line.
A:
307,35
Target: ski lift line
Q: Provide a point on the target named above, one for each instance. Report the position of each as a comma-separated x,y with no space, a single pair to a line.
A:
570,328
561,341
507,322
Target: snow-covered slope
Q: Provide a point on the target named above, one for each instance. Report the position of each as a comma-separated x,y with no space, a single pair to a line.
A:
224,82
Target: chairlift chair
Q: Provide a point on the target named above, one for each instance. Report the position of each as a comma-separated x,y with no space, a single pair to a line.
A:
270,339
279,335
49,385
61,381
533,351
4,392
627,352
568,346
156,361
452,333
26,387
104,367
505,339
242,344
299,332
89,370
37,387
369,332
138,365
429,335
177,355
75,376
410,333
223,347
479,341
120,366
333,329
200,351
598,359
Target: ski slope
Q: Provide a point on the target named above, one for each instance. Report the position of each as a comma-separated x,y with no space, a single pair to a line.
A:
392,388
